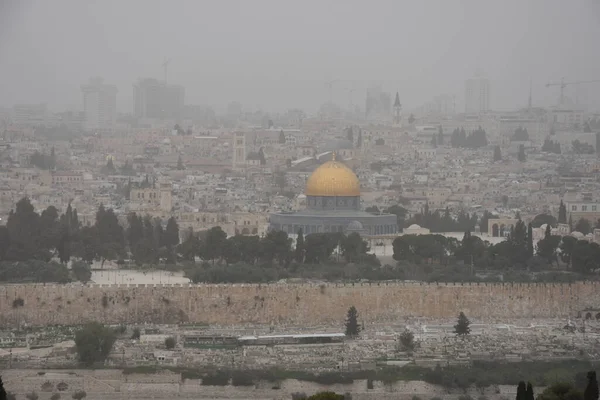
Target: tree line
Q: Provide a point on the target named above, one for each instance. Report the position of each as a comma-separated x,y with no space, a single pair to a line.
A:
516,252
473,140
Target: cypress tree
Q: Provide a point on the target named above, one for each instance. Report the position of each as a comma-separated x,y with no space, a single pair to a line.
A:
562,213
299,253
530,240
521,391
462,327
3,395
529,394
497,154
352,327
591,391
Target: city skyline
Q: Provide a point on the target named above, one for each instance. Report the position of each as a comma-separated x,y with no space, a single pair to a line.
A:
264,55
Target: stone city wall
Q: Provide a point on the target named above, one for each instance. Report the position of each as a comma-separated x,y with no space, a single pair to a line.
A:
47,382
291,304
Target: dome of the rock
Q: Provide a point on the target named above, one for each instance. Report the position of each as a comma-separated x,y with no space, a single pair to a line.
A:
333,179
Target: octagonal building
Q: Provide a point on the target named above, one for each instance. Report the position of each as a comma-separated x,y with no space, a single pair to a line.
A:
333,205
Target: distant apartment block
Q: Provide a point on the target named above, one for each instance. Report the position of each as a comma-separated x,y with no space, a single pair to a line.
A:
477,95
29,114
99,104
154,99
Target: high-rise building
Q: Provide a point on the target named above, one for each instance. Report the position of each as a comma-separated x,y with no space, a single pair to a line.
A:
477,95
99,104
154,99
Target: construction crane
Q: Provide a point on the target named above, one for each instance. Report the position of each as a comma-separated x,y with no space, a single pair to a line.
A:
564,84
165,65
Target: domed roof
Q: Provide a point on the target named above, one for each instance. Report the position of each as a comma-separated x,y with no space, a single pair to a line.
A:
333,179
355,226
414,226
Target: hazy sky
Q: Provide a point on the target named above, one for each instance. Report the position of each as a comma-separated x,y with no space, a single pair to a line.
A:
277,54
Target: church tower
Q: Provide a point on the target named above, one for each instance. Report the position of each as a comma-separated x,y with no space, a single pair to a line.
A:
239,151
397,108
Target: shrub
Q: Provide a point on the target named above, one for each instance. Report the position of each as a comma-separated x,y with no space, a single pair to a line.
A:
78,395
81,271
407,340
136,333
170,343
217,378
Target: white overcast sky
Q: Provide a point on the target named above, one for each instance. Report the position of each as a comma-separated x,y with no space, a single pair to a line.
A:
277,54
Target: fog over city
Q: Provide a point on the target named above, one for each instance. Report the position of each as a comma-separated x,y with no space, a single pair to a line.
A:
299,200
273,55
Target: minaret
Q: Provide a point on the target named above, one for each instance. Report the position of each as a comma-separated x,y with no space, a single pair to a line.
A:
397,108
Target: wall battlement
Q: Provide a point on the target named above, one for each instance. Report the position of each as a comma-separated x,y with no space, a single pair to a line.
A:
289,304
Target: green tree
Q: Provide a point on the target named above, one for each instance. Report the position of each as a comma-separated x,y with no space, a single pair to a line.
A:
214,244
562,213
55,396
411,119
82,271
352,327
94,342
521,156
542,219
583,226
180,165
567,247
318,247
400,213
299,251
170,343
354,247
546,248
190,247
24,231
276,245
462,327
111,240
440,136
591,390
281,137
497,153
560,391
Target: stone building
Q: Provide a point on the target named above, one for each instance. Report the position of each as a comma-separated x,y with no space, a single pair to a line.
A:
333,205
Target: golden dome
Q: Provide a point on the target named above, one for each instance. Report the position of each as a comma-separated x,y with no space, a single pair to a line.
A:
333,179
